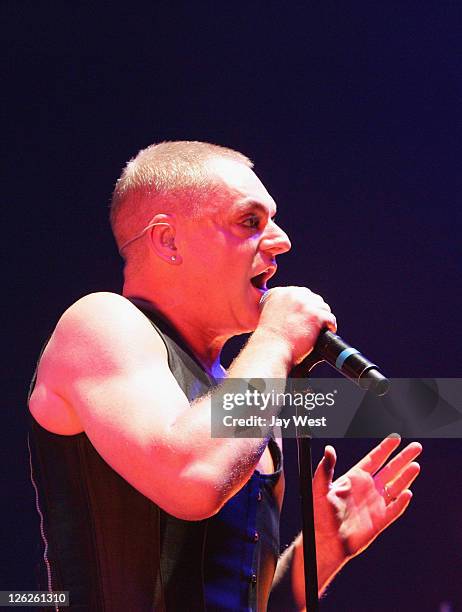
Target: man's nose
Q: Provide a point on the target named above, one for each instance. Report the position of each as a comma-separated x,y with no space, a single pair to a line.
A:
275,240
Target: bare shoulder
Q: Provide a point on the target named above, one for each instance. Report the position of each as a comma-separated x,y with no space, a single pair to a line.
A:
102,313
101,336
104,325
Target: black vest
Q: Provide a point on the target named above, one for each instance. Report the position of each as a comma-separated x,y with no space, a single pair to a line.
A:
115,550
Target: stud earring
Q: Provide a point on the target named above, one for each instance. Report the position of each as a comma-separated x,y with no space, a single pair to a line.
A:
173,257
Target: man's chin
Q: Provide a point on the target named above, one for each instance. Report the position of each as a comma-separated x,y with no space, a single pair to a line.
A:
250,323
247,318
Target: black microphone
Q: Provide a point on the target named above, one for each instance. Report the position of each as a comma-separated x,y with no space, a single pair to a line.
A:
349,362
345,359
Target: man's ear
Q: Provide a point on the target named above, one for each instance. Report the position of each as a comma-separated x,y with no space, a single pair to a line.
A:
162,238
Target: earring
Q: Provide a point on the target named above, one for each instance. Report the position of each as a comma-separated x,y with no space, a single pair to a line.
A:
173,257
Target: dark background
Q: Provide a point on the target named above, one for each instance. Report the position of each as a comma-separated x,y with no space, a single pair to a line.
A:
351,112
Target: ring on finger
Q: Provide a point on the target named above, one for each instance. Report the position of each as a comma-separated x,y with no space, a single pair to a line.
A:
387,496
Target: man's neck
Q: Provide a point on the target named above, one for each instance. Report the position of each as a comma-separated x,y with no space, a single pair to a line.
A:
205,345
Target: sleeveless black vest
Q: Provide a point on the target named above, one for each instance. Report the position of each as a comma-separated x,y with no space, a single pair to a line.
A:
115,550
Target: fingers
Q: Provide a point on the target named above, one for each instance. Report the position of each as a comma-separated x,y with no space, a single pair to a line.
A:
325,471
329,320
323,312
298,315
331,323
404,480
324,319
329,459
396,508
319,301
374,460
393,469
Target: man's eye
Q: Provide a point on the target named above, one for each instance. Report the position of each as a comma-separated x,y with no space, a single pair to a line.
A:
251,222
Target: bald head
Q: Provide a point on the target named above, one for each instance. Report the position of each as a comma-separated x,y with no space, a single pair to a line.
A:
170,177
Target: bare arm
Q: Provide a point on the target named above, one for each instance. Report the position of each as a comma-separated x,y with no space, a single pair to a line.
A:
109,369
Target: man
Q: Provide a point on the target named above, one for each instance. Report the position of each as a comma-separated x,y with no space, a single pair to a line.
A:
141,509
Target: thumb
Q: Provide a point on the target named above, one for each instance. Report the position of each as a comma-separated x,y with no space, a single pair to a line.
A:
324,473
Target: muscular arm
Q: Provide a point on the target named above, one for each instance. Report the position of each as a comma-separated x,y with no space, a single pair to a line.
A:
108,367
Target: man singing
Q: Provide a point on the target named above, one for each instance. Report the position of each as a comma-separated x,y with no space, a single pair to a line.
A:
140,508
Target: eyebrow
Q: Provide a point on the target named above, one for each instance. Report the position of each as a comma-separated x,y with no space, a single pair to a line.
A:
249,205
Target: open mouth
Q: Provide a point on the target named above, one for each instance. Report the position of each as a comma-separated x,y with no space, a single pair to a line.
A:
259,281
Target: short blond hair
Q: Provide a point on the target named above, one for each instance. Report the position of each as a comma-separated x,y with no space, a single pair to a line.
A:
164,177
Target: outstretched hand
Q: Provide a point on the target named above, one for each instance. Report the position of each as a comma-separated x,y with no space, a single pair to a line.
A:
351,511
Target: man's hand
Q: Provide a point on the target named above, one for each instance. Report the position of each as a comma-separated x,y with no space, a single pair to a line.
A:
295,315
351,511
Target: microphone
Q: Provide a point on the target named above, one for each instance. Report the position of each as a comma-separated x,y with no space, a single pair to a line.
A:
345,359
350,362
